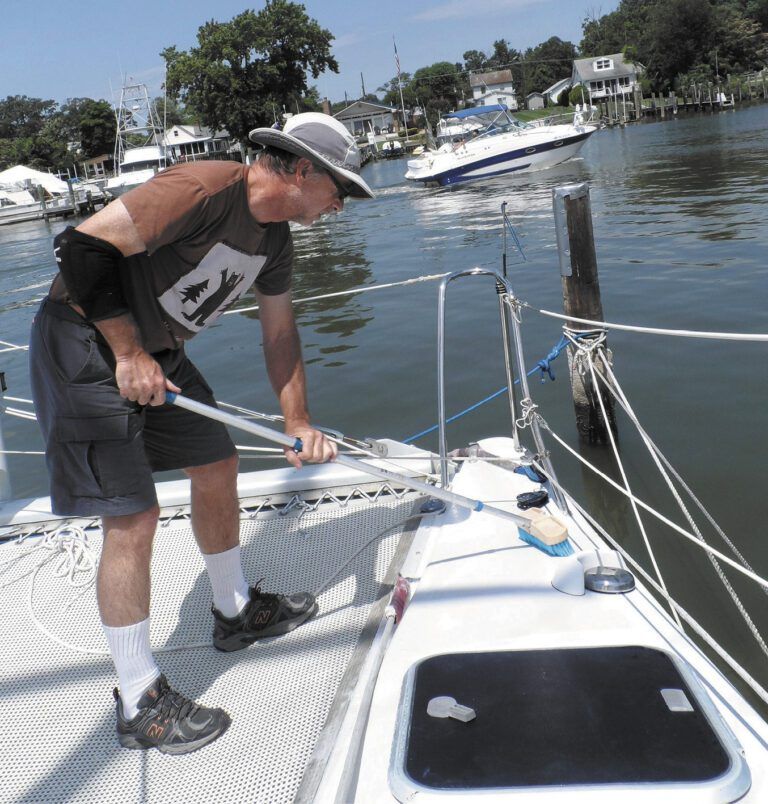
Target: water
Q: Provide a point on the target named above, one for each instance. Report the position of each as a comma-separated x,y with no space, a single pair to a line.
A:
680,217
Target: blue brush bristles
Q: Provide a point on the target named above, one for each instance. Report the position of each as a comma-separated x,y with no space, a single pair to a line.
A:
560,549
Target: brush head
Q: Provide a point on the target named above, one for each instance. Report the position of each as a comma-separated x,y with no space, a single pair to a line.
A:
562,548
545,532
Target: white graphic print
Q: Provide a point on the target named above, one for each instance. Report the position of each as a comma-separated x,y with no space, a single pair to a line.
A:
202,295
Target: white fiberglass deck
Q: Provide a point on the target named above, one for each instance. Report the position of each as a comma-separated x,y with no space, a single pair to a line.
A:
58,722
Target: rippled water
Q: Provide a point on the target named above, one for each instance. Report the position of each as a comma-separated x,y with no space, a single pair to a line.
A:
680,217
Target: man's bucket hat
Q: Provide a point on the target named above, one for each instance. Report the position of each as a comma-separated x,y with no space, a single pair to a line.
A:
324,141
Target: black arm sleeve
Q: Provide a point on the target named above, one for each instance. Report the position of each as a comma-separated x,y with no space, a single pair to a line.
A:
88,266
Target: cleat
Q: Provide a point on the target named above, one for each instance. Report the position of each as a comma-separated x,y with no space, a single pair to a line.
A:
169,721
265,615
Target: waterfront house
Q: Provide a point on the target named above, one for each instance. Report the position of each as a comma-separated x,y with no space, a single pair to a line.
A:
493,87
190,142
606,76
362,117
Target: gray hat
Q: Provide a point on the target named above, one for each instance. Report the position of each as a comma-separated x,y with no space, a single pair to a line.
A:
323,140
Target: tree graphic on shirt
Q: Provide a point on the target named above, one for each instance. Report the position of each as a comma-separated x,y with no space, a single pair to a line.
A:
192,292
227,284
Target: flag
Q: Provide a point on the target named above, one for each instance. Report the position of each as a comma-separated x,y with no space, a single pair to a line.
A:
397,58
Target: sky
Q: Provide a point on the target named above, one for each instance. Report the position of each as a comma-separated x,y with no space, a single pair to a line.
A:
84,48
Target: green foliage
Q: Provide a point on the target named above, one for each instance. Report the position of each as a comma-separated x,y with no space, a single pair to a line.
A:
97,129
577,95
475,61
245,72
170,112
677,39
438,88
546,64
21,116
392,92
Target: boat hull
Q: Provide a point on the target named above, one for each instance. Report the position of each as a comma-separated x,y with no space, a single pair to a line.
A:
119,185
479,159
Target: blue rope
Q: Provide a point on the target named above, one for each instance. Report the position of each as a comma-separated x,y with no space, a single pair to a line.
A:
544,366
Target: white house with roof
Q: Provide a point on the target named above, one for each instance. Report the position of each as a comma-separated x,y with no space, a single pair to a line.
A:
362,117
493,87
190,142
606,76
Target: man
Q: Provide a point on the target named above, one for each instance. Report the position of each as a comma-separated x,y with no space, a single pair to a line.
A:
136,280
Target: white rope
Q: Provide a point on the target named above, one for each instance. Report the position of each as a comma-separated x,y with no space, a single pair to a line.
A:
699,629
680,333
11,346
618,393
413,281
590,363
752,575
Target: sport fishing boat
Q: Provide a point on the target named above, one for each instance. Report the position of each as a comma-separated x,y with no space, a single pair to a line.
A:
139,153
486,141
481,638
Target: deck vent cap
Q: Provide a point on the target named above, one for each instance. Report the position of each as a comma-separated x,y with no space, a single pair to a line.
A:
609,580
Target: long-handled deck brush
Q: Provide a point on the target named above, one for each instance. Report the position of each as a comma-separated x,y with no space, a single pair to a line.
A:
540,532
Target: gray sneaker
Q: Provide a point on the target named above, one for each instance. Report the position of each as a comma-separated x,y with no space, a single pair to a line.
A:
265,615
169,721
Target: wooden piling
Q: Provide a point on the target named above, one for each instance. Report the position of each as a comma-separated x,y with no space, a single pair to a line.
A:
581,299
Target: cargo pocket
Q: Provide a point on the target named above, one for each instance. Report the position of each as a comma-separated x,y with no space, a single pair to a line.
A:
100,456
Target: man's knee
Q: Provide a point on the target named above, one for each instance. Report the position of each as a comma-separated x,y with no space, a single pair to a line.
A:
134,531
220,473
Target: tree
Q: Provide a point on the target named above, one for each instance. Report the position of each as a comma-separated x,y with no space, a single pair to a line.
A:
438,88
171,113
392,92
21,116
475,61
243,70
97,129
548,62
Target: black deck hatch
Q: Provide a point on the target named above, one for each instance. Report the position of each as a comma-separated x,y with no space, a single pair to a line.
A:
583,716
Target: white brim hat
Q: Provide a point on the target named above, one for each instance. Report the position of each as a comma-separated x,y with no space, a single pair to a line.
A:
323,140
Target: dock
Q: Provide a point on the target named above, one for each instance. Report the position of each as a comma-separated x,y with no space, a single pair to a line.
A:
79,202
696,97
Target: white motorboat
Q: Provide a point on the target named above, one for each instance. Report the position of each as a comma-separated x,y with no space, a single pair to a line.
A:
501,649
139,153
487,141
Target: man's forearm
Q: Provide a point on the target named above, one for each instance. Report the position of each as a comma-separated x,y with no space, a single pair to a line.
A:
122,335
138,375
286,373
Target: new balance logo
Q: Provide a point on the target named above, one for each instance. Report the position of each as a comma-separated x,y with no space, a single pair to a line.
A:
262,617
155,731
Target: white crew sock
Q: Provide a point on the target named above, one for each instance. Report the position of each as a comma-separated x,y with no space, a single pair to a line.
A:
135,665
230,589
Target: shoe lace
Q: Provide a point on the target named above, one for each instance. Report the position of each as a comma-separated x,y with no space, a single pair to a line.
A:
172,704
265,596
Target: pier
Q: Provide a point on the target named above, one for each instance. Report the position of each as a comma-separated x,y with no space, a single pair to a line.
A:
78,202
695,97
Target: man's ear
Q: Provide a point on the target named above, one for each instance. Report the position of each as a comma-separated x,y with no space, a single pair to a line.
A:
303,168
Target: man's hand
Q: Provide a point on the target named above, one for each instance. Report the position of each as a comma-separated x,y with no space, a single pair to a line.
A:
140,379
316,448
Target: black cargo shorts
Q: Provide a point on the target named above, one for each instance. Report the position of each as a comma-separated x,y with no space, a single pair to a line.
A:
101,449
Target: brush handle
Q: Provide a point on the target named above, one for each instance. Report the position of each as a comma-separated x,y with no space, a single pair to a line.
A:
345,460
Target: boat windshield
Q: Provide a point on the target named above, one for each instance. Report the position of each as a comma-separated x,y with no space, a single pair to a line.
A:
486,122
